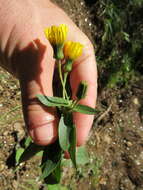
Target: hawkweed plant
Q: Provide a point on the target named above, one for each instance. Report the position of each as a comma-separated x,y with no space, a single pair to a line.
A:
65,53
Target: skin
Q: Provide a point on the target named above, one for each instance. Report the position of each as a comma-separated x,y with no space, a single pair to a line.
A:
26,53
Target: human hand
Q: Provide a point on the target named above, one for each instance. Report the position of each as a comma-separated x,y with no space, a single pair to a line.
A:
25,51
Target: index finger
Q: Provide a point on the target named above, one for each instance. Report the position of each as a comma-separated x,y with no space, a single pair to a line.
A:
85,69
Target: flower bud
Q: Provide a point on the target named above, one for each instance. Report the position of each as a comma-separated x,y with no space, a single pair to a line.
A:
82,90
68,66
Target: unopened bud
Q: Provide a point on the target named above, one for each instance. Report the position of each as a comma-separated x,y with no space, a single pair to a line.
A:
82,90
68,66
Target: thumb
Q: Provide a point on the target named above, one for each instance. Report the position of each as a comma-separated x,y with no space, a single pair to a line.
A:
35,67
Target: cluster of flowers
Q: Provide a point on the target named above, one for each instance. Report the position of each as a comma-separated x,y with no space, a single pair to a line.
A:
63,49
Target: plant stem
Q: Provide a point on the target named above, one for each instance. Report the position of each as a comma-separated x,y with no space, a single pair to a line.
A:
75,103
61,78
65,80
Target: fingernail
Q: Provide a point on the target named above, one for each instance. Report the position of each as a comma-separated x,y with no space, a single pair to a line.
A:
44,134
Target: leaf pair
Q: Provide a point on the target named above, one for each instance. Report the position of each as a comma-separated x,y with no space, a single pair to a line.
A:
61,102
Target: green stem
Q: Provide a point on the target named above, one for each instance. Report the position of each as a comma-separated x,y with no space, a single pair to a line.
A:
74,103
61,78
65,80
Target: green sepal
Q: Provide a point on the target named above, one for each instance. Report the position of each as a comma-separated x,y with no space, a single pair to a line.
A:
68,65
58,51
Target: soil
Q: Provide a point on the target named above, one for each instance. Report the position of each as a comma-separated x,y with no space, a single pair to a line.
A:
116,139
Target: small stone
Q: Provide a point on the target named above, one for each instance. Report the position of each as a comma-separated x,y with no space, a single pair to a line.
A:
5,133
107,139
2,166
1,88
129,144
136,101
102,181
137,162
81,3
18,127
15,184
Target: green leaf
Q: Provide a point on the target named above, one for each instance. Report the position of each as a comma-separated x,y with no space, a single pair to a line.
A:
27,142
85,109
68,120
40,154
51,164
56,187
82,156
55,176
52,101
64,132
48,168
57,100
19,152
30,151
72,148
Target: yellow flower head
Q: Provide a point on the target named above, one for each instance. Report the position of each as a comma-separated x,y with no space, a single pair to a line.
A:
56,34
72,50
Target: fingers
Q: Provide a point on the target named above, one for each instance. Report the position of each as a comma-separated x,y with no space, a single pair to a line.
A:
35,71
85,69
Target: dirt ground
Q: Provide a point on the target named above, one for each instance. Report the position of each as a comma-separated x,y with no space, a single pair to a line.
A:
116,140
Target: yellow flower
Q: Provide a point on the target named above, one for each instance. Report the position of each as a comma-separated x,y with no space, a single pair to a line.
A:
56,34
72,50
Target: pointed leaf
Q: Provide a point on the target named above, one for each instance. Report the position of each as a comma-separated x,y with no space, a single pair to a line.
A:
57,100
55,176
48,168
82,156
64,132
51,162
72,148
52,101
27,142
85,109
30,151
19,152
68,120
